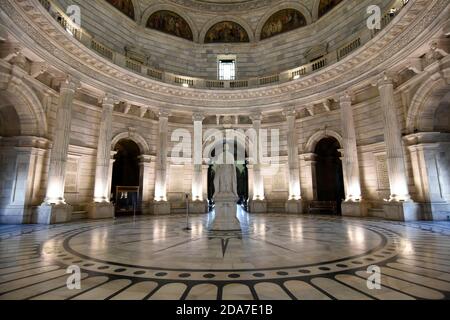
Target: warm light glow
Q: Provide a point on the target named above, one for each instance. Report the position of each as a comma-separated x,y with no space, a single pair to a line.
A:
160,193
397,198
354,192
185,85
296,77
257,197
55,192
160,199
100,192
197,191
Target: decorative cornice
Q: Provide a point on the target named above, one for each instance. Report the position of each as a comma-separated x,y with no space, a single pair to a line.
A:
225,7
388,48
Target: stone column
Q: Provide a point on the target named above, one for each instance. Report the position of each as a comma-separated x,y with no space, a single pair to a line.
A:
430,160
400,206
353,204
145,193
102,208
110,171
309,161
22,167
198,204
294,203
161,206
54,209
258,204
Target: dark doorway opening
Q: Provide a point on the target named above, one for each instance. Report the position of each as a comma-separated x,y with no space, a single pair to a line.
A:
125,178
330,179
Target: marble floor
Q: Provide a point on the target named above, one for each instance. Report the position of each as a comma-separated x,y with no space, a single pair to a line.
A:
276,256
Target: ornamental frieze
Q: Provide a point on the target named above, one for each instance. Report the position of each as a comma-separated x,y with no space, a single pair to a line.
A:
30,24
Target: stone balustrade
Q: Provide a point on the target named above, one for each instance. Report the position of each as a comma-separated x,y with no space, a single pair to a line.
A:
185,81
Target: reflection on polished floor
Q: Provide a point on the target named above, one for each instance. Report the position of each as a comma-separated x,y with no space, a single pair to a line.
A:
274,257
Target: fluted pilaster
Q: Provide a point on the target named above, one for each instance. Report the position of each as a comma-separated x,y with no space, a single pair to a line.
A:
197,178
393,139
350,159
161,158
61,139
258,182
293,161
101,192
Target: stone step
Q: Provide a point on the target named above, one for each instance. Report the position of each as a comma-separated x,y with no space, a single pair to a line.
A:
79,215
376,212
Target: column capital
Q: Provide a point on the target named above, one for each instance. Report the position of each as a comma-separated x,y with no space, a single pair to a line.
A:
386,79
290,112
109,100
38,68
308,157
346,97
256,117
70,83
198,117
164,114
145,158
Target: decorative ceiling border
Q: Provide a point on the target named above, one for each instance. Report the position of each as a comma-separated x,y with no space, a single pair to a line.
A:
37,30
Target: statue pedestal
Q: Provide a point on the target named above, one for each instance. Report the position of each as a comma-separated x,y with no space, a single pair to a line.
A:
225,218
402,211
53,214
258,206
104,210
198,207
354,209
161,208
294,206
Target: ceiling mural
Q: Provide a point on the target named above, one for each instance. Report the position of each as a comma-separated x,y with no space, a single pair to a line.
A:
126,6
327,5
171,23
226,32
283,21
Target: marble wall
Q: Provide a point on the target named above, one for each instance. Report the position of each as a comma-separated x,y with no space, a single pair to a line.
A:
259,58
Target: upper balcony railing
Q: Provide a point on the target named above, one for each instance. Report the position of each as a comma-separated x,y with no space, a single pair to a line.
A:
140,67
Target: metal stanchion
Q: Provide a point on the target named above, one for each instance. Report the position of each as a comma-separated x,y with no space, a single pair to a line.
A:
187,213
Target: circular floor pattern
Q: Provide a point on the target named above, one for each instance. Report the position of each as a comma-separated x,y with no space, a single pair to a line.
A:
274,246
277,256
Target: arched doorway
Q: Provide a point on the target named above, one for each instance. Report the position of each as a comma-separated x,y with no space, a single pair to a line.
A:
329,174
125,178
241,173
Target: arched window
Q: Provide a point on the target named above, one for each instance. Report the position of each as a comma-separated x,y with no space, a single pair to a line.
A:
282,21
126,6
226,32
171,23
326,6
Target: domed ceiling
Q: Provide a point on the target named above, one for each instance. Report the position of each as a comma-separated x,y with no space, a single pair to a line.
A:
227,5
288,17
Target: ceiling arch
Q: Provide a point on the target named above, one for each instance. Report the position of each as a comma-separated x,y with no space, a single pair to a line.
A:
174,9
282,21
171,23
287,5
127,7
322,7
230,19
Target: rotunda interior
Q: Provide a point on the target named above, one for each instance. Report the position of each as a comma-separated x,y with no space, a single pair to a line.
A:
225,149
